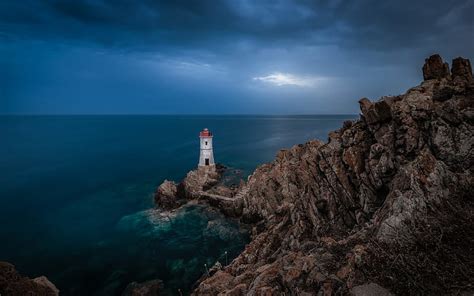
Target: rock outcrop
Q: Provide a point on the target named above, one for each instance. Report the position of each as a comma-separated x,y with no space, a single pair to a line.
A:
462,68
13,284
166,195
435,68
170,195
202,184
351,214
202,178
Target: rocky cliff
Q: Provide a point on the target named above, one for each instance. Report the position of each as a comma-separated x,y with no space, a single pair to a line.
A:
384,206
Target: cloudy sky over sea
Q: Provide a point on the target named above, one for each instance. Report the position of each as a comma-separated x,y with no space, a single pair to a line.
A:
219,56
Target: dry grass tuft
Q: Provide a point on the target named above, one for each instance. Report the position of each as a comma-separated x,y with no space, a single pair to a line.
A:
433,256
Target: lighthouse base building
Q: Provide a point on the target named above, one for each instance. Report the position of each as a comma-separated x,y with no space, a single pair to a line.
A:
206,155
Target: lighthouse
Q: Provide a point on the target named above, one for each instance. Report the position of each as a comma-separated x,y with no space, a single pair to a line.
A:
206,156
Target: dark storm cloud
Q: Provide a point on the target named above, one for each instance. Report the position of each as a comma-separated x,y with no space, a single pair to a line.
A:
148,24
219,56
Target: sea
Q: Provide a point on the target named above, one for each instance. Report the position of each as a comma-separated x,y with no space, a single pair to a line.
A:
76,194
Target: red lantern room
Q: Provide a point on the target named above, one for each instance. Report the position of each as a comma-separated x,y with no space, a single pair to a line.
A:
205,133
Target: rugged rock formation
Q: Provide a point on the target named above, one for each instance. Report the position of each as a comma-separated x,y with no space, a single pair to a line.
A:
203,183
435,68
170,195
13,284
203,178
166,195
462,68
392,188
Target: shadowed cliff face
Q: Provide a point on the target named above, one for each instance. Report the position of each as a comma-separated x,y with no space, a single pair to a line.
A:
320,209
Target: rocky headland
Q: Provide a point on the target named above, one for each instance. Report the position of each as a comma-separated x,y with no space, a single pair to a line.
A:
384,207
205,184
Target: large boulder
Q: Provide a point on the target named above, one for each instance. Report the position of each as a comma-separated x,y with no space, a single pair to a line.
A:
377,112
435,68
166,195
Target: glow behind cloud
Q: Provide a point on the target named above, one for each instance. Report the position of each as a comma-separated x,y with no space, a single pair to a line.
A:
283,79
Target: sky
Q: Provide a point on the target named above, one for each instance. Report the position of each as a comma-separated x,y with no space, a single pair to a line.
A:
220,56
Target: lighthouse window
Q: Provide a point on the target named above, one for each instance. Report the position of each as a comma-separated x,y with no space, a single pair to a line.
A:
206,143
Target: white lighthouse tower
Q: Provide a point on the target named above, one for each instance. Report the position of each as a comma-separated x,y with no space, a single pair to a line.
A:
206,156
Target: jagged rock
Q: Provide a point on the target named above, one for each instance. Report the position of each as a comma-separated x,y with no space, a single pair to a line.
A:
203,184
462,68
375,112
202,178
215,268
13,284
220,281
221,190
435,68
316,207
170,195
149,288
166,195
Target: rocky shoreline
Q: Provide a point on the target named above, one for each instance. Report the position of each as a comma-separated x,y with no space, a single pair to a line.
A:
383,207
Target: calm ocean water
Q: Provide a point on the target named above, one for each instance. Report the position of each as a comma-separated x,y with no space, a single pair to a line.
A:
75,194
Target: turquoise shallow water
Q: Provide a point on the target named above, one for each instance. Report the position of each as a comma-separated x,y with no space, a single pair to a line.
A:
75,194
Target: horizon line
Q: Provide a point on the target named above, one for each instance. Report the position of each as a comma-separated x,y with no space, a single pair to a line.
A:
175,114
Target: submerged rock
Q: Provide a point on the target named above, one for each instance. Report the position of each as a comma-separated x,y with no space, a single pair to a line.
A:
320,210
149,288
220,230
